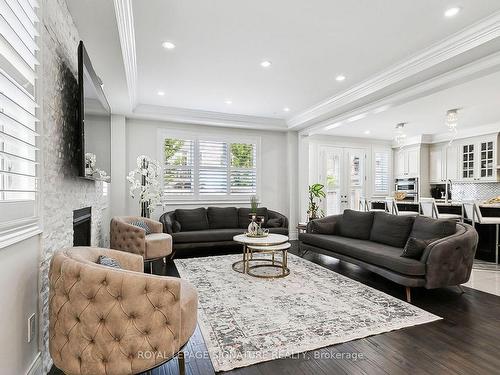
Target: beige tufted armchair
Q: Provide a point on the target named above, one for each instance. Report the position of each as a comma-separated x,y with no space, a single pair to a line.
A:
110,321
130,238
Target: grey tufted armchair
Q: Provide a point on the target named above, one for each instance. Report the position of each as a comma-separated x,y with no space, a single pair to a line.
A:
110,321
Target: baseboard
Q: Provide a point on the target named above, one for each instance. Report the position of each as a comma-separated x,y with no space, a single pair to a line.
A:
36,365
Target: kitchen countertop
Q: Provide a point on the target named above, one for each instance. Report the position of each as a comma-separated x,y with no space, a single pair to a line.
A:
441,202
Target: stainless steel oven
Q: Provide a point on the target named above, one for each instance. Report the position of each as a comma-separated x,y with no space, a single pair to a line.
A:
409,186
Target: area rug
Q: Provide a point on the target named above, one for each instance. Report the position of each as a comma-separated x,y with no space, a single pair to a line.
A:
246,320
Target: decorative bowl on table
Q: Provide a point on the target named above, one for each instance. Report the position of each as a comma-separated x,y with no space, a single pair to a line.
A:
399,195
256,235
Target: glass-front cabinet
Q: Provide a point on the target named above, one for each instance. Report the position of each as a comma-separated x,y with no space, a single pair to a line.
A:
478,159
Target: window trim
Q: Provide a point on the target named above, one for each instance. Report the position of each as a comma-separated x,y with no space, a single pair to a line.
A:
388,151
213,136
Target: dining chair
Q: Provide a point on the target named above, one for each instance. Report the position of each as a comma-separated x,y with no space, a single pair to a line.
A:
429,208
392,208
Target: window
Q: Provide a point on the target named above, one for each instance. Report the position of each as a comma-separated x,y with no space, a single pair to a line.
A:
381,174
209,168
18,151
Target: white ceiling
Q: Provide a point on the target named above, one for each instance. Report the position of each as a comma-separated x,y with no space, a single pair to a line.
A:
478,101
220,44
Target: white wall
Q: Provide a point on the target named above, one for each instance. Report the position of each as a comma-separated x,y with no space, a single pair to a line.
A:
141,139
19,299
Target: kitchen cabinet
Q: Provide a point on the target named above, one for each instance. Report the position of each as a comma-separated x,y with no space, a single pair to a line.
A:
442,163
478,158
407,162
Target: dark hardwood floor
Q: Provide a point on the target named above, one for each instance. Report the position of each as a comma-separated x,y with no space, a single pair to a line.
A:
466,341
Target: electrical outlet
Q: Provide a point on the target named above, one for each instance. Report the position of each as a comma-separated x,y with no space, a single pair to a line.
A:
31,327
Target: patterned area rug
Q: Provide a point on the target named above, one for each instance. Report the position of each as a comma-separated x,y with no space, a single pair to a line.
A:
246,320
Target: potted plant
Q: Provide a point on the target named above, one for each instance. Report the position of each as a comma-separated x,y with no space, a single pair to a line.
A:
145,183
316,193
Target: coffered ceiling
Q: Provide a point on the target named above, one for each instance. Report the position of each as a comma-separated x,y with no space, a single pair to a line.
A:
214,73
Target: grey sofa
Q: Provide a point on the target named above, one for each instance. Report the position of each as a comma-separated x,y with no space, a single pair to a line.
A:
208,231
375,241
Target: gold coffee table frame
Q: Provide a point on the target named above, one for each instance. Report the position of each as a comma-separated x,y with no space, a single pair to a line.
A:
283,265
243,266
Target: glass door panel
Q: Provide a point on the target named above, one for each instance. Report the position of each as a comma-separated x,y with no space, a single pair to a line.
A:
356,177
331,178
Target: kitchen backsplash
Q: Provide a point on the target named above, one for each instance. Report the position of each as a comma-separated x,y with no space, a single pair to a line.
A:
475,191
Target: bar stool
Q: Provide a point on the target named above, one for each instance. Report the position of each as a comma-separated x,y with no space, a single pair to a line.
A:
366,205
392,208
429,208
473,213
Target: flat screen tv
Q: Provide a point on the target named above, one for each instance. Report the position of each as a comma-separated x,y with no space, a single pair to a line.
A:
94,121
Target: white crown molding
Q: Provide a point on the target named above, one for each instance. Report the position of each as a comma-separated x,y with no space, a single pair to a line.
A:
463,41
125,20
466,133
476,69
201,117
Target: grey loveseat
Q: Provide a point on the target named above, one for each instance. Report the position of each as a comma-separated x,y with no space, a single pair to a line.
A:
207,231
375,240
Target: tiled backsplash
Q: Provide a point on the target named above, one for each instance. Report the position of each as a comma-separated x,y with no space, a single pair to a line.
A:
476,191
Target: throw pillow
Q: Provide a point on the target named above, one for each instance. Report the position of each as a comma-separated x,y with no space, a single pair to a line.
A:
276,222
414,248
392,230
192,219
356,224
322,227
176,226
142,224
426,228
108,262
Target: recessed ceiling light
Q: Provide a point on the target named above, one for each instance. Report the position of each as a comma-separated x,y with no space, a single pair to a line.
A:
168,45
161,93
452,12
266,64
228,101
286,109
367,132
340,78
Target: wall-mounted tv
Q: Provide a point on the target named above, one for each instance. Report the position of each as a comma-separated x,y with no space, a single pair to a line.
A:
94,120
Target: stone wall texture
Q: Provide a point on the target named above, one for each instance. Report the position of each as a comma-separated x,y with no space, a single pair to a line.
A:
62,190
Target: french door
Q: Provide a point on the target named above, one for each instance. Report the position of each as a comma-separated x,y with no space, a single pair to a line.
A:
342,171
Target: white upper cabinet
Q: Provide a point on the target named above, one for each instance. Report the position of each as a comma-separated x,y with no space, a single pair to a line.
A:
442,163
407,162
478,159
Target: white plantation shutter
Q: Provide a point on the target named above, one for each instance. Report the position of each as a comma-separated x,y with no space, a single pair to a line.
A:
212,176
18,122
243,173
179,168
381,177
209,168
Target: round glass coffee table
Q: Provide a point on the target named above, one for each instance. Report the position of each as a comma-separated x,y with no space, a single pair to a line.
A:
270,242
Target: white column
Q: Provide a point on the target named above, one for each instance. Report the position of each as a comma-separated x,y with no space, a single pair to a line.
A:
292,139
118,166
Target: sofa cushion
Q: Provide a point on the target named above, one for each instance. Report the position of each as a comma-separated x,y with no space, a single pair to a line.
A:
392,230
281,230
425,228
322,227
222,217
243,219
192,219
414,248
356,224
212,235
370,252
158,245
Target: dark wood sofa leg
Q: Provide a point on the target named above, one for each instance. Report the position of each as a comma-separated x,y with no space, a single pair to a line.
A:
182,363
408,294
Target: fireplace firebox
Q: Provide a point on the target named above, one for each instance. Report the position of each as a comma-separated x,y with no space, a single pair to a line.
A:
82,226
